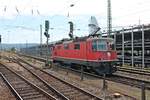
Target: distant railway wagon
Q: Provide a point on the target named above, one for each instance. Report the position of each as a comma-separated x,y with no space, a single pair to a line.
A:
38,50
94,53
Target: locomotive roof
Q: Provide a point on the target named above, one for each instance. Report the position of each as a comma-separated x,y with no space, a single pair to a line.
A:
77,39
80,39
100,38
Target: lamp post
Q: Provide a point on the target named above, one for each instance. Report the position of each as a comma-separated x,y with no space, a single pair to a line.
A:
40,40
71,5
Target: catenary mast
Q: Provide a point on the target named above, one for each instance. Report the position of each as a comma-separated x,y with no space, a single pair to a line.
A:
109,18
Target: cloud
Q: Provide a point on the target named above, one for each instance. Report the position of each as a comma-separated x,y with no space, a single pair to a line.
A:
12,36
50,7
29,14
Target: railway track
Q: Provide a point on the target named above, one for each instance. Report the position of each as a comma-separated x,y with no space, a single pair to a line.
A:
70,91
135,71
7,91
117,78
23,89
129,81
79,73
38,81
129,70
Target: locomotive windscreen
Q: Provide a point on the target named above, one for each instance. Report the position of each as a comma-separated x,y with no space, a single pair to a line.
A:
101,45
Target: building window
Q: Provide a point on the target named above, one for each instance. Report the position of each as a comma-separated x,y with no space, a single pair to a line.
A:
66,46
77,46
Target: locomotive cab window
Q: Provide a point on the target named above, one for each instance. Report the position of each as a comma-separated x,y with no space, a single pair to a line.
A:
98,45
66,46
77,46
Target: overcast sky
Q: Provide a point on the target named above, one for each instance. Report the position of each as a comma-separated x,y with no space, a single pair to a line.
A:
20,19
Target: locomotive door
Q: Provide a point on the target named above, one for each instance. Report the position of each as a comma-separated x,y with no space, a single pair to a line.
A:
87,51
51,51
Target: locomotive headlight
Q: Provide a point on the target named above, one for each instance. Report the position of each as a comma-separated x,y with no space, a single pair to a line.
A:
108,54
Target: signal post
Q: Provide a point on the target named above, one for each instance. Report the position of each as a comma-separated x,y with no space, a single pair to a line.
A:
47,37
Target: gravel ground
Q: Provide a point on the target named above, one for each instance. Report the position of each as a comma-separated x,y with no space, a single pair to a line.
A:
5,93
137,76
95,85
92,85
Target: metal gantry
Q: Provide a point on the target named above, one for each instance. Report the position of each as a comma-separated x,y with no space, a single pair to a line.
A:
109,18
123,47
133,46
143,52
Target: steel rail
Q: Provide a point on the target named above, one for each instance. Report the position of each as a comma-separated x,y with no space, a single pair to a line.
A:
114,78
144,72
47,84
135,71
92,75
29,83
109,78
15,93
82,90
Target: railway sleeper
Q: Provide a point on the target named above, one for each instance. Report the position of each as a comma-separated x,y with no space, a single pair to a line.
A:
51,92
23,88
80,95
62,86
65,89
13,79
33,96
8,75
73,97
70,93
85,98
29,93
76,94
17,83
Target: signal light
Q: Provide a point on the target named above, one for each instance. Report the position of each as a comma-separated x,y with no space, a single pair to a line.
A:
46,34
71,25
46,25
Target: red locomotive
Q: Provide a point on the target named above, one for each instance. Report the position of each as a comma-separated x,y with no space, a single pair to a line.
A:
93,52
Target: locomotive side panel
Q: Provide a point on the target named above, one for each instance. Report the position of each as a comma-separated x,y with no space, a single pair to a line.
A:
99,57
70,53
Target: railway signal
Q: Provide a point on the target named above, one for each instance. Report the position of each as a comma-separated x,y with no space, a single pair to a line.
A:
71,30
47,36
46,28
46,25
